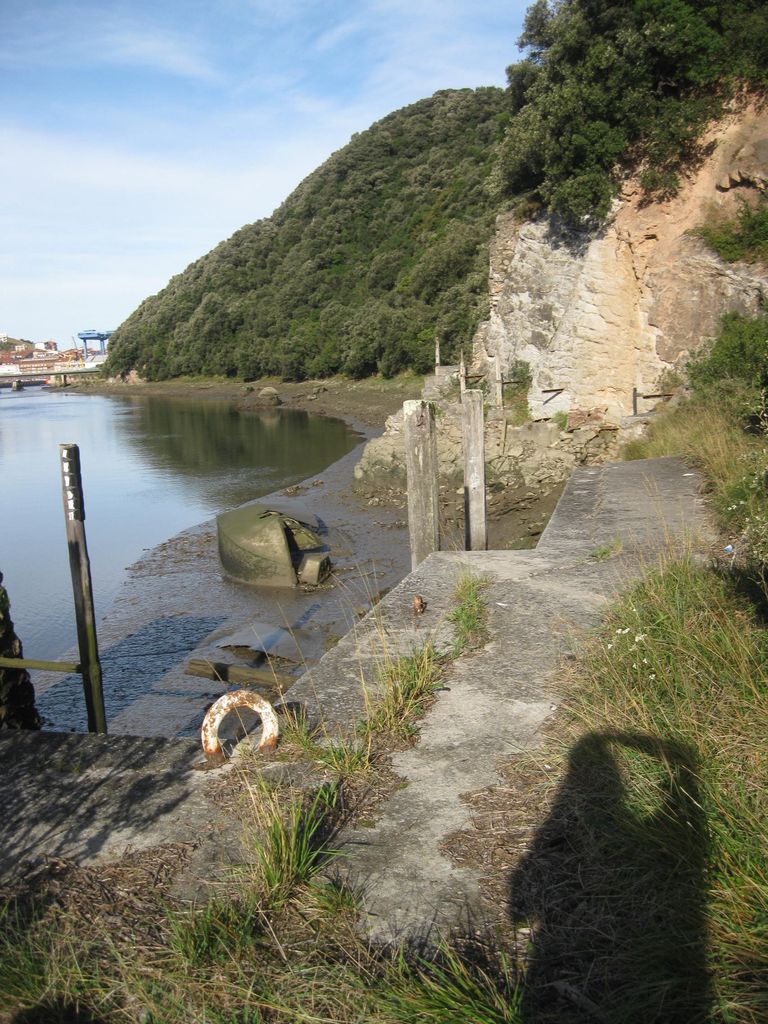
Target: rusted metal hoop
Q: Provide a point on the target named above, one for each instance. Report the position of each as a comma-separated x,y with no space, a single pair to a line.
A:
209,734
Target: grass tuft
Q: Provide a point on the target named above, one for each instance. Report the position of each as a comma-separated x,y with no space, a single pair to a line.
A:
407,687
289,839
470,616
450,990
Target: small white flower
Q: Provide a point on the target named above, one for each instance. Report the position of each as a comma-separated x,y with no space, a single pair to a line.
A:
634,664
645,661
608,646
640,637
652,675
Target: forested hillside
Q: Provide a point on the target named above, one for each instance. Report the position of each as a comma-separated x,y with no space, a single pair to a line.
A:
378,250
385,245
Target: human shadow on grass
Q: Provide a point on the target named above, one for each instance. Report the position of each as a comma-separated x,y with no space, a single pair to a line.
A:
613,889
55,1012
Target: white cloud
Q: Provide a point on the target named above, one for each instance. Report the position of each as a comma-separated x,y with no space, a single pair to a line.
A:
160,51
97,37
339,33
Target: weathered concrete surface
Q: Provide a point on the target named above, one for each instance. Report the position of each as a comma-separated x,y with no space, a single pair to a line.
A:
495,701
93,798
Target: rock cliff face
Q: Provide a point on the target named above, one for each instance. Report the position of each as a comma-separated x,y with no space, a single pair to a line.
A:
599,318
600,315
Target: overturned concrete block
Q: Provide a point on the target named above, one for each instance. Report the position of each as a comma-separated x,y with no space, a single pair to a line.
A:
264,546
314,568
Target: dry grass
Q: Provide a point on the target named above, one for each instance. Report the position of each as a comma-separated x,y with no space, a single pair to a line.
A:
705,432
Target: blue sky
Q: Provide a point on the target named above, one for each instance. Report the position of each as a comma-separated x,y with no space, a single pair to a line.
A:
136,136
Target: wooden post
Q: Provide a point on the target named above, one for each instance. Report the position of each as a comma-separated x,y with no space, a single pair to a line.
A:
462,375
80,567
475,534
437,353
422,479
498,391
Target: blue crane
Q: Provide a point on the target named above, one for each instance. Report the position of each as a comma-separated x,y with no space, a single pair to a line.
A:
101,336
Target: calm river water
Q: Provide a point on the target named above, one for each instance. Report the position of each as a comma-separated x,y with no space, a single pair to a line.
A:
151,467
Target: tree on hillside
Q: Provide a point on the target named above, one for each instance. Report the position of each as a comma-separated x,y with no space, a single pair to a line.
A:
606,83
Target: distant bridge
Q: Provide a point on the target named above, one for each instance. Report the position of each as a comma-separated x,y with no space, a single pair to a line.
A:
30,376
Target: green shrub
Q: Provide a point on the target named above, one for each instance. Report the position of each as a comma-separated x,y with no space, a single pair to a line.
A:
743,238
606,85
740,352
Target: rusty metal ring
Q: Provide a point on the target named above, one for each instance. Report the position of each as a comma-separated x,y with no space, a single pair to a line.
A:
209,734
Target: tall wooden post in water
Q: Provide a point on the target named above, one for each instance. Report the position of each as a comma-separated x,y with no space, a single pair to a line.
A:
422,479
80,567
475,533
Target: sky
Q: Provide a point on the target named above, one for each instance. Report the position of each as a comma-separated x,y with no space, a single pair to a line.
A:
135,136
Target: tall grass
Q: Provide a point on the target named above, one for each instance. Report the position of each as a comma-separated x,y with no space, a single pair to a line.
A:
405,689
289,837
707,432
470,616
674,694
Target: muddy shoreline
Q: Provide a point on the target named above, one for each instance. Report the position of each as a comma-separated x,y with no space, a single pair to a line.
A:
364,405
176,603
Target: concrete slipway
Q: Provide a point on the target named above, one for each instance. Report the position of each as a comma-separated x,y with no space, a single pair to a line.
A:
92,798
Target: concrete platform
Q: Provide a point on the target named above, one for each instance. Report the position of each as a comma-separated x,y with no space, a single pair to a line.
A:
92,799
495,701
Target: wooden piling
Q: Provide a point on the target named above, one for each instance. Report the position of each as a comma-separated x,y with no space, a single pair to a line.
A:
462,374
475,530
437,354
498,384
80,568
422,479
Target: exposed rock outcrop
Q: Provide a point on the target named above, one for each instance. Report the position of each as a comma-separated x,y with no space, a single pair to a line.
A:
601,315
17,696
522,462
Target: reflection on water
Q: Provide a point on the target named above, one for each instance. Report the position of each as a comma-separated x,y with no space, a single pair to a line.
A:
208,439
151,467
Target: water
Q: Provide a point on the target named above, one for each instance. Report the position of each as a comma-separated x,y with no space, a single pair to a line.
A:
151,467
